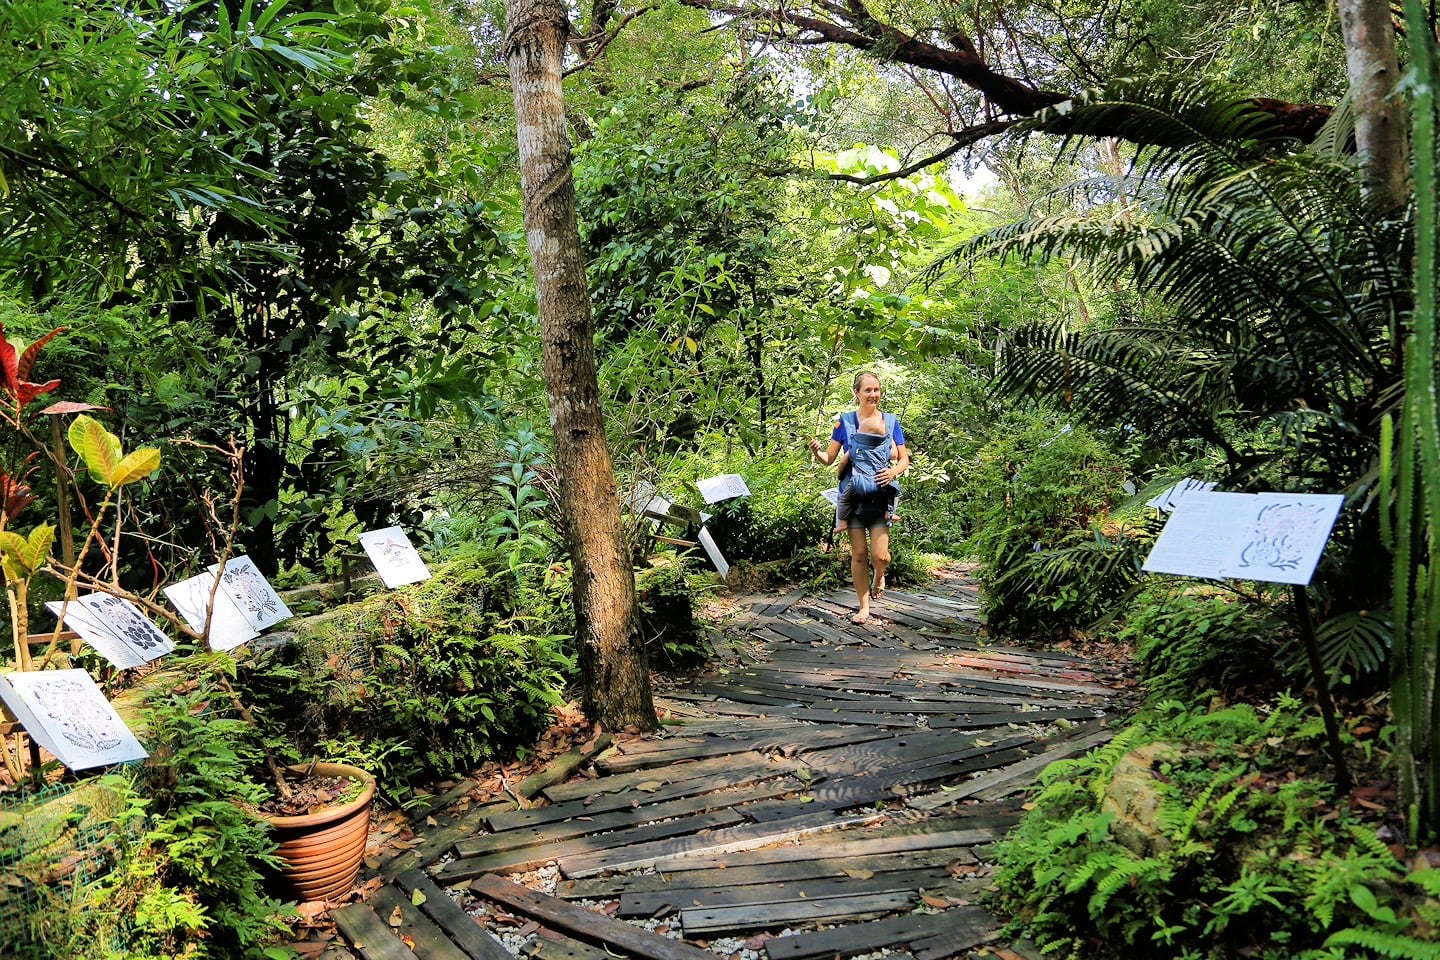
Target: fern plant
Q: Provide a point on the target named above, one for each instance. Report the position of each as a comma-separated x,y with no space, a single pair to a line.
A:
1179,839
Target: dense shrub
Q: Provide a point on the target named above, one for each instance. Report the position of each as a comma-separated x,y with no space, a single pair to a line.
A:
1189,836
451,672
1037,490
669,595
1192,640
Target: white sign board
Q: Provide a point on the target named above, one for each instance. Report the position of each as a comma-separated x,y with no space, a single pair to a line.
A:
258,602
394,557
116,628
646,499
228,626
1270,537
832,495
712,550
1169,497
726,486
65,712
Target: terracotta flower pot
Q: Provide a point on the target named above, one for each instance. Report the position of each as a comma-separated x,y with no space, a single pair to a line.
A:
322,851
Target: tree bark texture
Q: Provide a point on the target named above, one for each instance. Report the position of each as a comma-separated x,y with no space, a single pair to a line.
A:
612,655
1380,124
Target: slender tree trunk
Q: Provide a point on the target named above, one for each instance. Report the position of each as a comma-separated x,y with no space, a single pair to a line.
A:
1380,122
612,655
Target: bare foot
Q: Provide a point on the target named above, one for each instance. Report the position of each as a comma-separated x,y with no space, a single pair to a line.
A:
862,617
878,591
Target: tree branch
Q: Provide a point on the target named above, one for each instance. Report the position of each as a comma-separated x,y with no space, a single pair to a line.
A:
851,24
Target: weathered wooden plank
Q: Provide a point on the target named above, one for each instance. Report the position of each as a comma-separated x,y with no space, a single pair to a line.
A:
854,939
758,916
947,839
650,795
464,930
740,872
437,843
544,948
426,939
441,801
676,772
743,837
586,924
1004,780
368,934
688,750
784,603
970,930
884,784
972,721
645,903
620,819
528,858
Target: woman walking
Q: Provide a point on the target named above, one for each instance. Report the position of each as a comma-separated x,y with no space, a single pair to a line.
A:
873,444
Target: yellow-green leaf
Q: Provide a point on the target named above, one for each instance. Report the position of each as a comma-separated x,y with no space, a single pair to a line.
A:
22,556
135,466
417,896
37,547
98,447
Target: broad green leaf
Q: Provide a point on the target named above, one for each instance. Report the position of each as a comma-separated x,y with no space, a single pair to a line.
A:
37,547
137,465
20,556
98,447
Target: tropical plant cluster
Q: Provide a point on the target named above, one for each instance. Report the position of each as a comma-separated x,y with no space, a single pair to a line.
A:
274,252
1211,834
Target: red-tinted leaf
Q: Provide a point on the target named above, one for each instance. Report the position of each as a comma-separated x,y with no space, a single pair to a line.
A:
72,406
26,363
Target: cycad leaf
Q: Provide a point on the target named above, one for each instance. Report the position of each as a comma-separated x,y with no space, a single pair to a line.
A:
135,466
98,447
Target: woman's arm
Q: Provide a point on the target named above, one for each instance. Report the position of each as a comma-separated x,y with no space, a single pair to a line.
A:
828,457
901,464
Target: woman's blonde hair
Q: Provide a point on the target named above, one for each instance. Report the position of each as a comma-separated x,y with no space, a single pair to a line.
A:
860,378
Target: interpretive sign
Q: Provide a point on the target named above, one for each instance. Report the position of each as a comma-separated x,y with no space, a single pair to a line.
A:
228,626
252,593
726,486
394,557
65,712
115,627
1271,537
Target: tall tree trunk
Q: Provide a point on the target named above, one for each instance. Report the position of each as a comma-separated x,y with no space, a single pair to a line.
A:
1380,124
607,626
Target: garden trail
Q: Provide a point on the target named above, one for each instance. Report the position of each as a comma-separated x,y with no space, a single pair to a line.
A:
837,783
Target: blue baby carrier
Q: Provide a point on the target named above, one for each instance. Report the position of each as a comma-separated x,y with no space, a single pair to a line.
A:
869,454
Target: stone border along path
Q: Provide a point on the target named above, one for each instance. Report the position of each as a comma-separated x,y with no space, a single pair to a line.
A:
825,790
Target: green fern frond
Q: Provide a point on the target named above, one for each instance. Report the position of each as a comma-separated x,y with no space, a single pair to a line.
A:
1394,945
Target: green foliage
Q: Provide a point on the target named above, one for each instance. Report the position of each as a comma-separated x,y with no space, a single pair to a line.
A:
1034,499
1184,838
189,882
434,678
783,517
518,527
669,595
1192,640
1276,294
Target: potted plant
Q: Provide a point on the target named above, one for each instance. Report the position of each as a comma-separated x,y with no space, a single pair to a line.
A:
320,813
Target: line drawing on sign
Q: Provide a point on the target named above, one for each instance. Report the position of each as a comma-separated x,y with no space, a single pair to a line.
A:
1282,534
67,706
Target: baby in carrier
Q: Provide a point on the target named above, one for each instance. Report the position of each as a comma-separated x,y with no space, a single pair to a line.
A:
861,496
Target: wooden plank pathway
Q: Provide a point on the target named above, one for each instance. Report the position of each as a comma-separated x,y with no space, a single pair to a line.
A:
826,790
